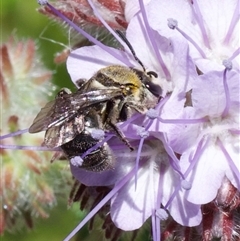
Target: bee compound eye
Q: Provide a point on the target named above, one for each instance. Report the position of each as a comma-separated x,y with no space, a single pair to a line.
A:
156,90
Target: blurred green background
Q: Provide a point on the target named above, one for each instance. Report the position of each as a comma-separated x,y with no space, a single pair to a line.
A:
21,20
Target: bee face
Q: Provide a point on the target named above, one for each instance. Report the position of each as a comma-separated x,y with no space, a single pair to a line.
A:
110,96
137,87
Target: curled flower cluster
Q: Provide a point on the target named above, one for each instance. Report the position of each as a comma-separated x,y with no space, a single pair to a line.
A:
81,13
184,172
28,183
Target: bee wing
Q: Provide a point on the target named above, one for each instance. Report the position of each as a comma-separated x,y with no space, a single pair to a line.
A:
53,113
58,135
66,107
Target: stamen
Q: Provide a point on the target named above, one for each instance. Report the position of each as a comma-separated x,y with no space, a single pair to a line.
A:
95,147
233,23
105,24
228,66
234,131
159,109
229,159
201,25
16,133
184,121
235,54
88,36
117,187
186,185
200,149
33,148
174,162
198,152
154,225
76,161
144,134
153,42
157,229
173,24
130,120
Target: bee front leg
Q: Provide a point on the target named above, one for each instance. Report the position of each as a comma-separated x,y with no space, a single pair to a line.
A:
120,135
116,111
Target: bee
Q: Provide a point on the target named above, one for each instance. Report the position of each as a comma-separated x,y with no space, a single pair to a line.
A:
112,95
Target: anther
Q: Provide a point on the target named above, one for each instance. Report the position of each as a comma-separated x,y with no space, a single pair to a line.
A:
186,185
42,2
143,133
76,161
97,134
172,23
227,63
152,114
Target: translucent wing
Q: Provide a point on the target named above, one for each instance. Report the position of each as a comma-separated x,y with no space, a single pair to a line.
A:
53,113
58,135
67,106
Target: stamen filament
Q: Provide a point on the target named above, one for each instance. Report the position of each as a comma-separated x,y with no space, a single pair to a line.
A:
158,203
153,42
117,187
235,54
201,25
154,225
174,162
137,160
234,131
200,148
173,24
192,42
33,148
183,121
105,24
95,147
16,133
233,23
229,159
199,151
89,37
129,120
226,90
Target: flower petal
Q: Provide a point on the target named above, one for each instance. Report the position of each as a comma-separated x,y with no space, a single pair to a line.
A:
83,63
131,207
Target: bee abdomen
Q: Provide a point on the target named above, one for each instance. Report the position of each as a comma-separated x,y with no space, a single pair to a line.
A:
98,160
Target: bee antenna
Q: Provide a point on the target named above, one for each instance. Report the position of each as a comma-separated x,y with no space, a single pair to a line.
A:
123,37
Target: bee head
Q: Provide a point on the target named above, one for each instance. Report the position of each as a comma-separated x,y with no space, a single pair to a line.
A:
146,79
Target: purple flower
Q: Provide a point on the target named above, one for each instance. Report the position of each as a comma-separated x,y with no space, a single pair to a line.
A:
197,119
185,161
211,28
156,178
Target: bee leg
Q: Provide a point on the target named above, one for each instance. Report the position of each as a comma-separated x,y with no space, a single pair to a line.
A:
120,135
